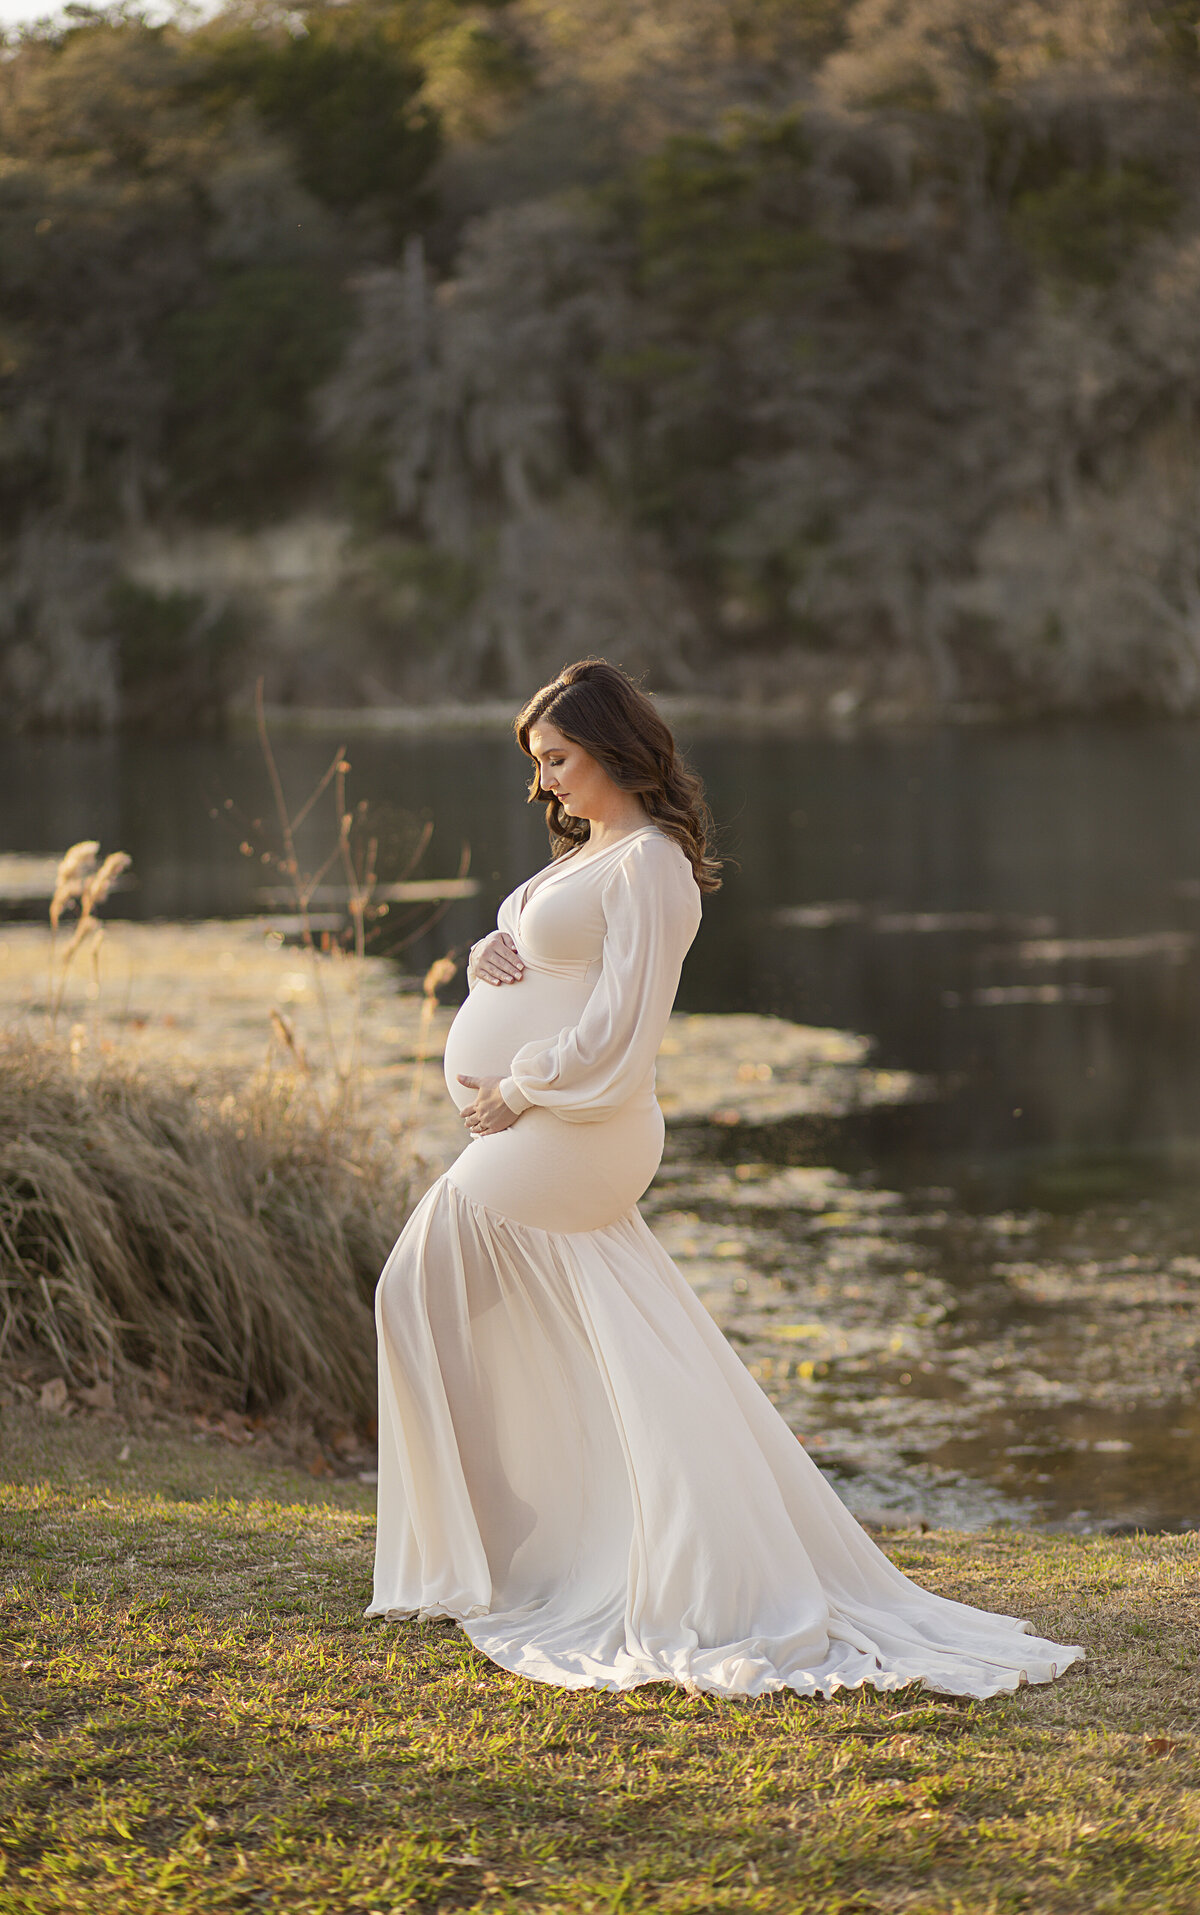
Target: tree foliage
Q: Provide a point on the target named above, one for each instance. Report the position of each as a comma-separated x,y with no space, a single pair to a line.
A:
750,338
241,362
345,97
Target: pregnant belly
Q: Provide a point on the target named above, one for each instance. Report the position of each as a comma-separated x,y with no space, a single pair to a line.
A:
544,1170
497,1019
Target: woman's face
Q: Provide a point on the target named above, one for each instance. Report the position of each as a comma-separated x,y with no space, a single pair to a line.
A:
583,787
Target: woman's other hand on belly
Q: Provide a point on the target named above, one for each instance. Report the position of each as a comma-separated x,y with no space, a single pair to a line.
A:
499,961
489,1113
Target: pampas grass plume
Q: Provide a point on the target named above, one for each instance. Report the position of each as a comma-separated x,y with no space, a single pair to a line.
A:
441,971
72,874
97,888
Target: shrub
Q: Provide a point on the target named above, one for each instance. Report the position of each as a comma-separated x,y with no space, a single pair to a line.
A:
242,365
344,95
725,225
1084,225
230,1241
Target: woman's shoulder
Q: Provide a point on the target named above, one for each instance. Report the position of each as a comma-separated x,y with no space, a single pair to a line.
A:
654,859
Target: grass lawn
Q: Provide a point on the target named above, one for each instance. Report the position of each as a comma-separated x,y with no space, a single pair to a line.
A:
196,1716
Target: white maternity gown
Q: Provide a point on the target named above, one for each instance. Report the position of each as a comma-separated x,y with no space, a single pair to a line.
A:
573,1463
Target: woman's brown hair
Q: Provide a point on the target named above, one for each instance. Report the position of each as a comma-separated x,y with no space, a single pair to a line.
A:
596,705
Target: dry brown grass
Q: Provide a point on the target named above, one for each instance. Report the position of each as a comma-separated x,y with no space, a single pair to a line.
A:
229,1241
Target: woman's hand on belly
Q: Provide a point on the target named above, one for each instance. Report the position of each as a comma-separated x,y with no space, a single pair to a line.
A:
499,961
489,1113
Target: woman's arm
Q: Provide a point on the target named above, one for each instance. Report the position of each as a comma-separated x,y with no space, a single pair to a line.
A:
652,912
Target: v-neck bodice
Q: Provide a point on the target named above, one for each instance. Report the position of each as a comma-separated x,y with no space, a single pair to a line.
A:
558,916
570,863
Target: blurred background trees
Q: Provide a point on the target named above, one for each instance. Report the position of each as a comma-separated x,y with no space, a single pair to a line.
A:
780,347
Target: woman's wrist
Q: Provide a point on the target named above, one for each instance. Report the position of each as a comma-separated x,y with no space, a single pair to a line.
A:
514,1096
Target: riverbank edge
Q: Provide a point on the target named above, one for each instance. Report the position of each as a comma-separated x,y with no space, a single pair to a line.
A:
840,716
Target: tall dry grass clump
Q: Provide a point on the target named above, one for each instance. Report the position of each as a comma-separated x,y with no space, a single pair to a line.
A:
230,1242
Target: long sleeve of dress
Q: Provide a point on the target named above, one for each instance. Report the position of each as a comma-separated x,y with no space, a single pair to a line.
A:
652,912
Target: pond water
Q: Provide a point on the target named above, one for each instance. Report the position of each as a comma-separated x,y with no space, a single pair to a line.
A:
1012,913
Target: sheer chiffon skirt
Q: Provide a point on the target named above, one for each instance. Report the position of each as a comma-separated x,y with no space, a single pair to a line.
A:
576,1466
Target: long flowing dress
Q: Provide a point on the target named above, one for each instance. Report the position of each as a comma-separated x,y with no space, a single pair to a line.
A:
573,1463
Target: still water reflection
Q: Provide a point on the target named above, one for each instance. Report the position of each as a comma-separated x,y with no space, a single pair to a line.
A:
1015,913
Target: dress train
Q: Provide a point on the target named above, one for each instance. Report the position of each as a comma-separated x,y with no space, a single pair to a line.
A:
579,1469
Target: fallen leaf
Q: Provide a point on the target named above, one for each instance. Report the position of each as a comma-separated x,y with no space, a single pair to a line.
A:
1160,1745
53,1395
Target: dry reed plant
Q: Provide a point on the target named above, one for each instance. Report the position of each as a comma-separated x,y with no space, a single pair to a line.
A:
231,1243
78,882
355,849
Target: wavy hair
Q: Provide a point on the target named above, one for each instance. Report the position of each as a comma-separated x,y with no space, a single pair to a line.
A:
597,706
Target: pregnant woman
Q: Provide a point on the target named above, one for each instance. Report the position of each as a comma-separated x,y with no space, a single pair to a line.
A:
573,1464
